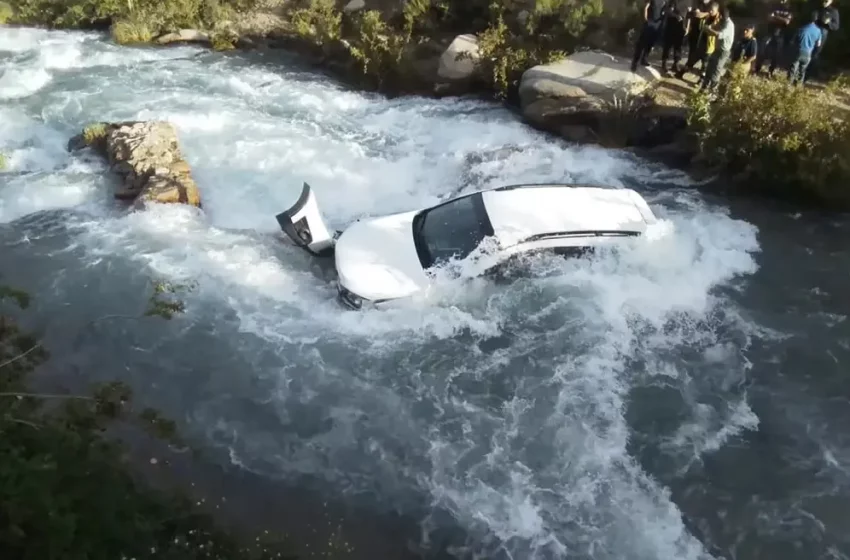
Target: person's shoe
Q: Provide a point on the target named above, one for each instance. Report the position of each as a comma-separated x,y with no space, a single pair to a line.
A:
645,62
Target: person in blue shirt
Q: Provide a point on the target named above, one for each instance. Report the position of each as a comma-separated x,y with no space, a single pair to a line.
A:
777,37
653,19
809,37
828,20
745,50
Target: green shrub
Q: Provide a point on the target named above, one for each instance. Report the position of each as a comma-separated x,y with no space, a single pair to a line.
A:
776,138
140,20
5,13
93,133
509,47
506,54
130,32
320,22
380,48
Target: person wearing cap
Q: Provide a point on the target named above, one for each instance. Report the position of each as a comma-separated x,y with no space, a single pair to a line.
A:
745,50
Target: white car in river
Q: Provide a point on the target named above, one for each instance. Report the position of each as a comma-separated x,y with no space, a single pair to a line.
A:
389,257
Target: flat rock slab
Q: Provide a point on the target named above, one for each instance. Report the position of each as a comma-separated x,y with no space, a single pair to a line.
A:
587,73
147,156
460,59
183,36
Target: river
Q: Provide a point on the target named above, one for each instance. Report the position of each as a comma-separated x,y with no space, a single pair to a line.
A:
681,399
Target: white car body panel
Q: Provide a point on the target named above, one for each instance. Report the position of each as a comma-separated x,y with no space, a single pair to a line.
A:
376,258
520,213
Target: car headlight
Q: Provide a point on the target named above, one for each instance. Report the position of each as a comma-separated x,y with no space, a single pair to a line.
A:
349,298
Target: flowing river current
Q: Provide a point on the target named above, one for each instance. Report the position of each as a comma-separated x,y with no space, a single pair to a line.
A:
683,398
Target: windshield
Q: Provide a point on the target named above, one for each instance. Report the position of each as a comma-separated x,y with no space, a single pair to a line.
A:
453,229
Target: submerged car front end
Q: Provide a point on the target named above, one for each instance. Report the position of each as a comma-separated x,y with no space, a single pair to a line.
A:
376,261
375,258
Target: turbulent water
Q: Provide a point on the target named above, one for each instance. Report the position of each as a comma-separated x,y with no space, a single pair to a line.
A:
680,398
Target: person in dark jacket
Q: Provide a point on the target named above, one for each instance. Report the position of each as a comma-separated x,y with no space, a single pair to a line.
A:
698,15
828,20
653,19
675,28
777,37
745,50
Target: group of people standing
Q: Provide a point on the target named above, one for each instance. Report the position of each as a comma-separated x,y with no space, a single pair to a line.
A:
710,33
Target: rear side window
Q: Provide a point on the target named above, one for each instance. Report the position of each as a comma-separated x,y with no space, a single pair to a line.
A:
451,230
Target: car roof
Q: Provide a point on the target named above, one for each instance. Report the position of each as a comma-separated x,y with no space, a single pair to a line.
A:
524,212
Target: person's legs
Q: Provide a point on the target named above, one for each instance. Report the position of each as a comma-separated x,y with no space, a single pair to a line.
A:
764,53
801,64
815,59
804,66
721,62
640,46
693,49
653,33
678,41
709,70
696,53
777,52
666,46
793,69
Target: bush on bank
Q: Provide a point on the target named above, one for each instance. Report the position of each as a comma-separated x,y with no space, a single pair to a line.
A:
66,490
5,12
132,21
776,139
513,36
381,46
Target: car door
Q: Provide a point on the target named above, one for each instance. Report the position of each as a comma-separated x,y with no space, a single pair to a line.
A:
519,264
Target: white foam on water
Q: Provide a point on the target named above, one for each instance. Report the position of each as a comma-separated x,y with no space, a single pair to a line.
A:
543,473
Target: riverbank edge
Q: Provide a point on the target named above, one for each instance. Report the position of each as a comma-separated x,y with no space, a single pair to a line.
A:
675,144
420,77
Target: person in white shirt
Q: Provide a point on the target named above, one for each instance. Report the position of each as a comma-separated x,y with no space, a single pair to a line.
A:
719,59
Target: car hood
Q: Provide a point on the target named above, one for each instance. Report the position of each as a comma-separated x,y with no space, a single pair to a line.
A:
376,258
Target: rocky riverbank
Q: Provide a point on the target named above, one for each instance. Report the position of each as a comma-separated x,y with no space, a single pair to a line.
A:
558,63
517,51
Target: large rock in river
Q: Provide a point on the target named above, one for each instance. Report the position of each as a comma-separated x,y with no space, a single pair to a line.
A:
147,156
593,96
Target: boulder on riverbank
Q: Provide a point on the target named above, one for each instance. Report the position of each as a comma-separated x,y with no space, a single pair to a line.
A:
184,36
593,96
147,156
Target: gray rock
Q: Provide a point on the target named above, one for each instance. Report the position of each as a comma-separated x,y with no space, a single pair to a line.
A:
183,36
460,59
597,73
354,6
